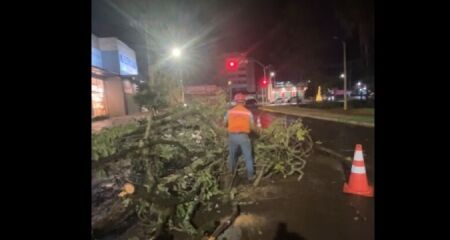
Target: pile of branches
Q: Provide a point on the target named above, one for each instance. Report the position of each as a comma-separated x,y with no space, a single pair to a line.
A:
174,162
282,149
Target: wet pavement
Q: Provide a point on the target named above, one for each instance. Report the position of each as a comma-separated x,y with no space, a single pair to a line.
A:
316,207
313,209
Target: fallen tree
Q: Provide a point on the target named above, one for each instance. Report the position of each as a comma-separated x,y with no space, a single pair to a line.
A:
162,169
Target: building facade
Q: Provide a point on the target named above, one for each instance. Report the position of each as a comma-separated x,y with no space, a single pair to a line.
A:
241,79
284,91
113,68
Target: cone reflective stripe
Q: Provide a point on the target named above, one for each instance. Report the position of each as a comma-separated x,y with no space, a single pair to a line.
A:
358,155
359,170
357,183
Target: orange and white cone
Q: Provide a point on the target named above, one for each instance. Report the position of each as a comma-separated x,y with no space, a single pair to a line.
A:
357,183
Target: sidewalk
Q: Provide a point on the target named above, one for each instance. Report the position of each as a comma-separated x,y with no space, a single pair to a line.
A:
360,117
114,121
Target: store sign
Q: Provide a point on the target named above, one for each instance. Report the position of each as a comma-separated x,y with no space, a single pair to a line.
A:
128,66
118,57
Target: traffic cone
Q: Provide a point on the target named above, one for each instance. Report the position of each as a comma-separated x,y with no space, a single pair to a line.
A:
357,183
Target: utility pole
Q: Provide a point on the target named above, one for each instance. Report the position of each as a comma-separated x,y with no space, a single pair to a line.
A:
345,76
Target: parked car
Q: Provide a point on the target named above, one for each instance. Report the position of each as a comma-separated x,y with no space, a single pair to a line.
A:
294,100
279,101
330,97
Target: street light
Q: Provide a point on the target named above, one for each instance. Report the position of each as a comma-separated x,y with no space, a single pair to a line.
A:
272,74
345,70
176,52
342,75
264,72
359,84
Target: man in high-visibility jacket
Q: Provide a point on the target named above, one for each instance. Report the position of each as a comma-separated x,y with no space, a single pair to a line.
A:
239,121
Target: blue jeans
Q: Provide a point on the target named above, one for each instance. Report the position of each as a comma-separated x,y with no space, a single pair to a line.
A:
243,141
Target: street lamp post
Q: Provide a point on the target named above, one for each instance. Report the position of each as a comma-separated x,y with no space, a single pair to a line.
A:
264,72
182,87
344,46
345,75
176,53
229,89
270,86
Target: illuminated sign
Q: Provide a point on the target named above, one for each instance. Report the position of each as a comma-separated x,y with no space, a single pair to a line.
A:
127,65
117,57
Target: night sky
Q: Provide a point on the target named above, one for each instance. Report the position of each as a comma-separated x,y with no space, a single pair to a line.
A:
294,36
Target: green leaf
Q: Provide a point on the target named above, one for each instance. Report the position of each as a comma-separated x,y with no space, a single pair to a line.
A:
126,202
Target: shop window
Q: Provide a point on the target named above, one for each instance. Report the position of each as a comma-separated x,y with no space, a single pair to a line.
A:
98,98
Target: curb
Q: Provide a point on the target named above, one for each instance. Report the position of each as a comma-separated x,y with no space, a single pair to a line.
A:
363,124
115,121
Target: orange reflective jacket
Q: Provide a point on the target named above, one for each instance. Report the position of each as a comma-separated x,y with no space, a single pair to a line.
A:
239,119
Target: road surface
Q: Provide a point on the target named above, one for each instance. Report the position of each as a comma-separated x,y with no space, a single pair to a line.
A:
316,208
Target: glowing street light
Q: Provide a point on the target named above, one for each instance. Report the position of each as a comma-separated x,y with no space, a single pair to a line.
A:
272,74
359,84
176,52
342,75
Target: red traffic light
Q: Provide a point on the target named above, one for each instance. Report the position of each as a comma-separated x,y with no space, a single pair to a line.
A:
232,64
264,83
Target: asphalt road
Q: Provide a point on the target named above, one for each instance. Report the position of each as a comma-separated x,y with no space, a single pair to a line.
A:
316,208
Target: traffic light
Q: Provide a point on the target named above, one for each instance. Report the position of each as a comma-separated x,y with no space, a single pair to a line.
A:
232,64
264,83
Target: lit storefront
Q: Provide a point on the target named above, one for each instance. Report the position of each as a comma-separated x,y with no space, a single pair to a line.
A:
113,69
285,91
98,98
